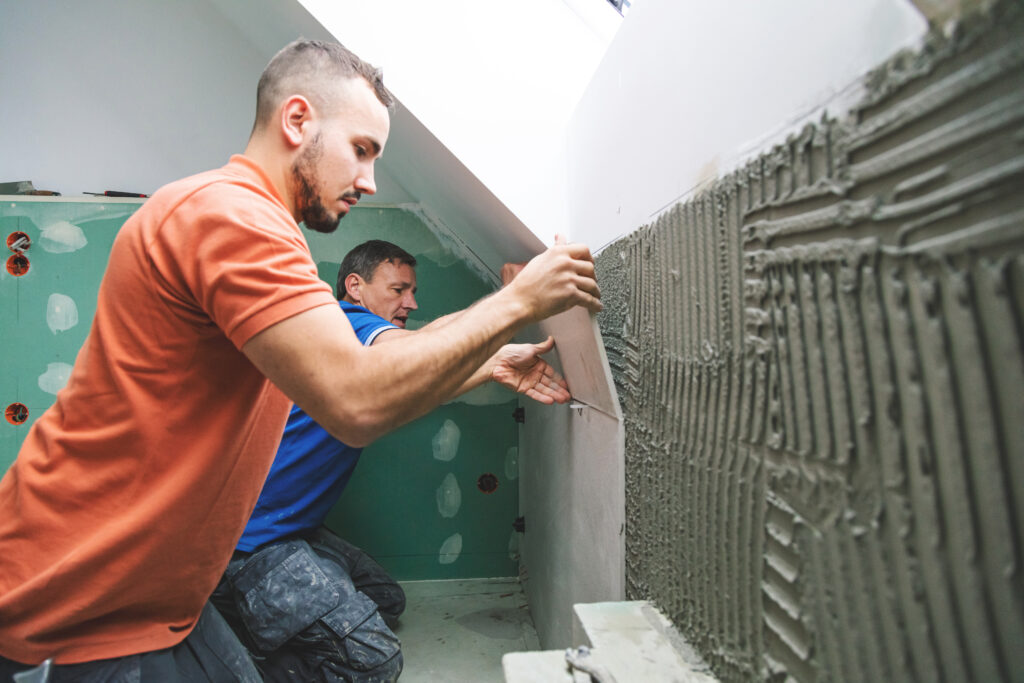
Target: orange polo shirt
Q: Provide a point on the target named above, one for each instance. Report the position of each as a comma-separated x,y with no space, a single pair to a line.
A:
129,494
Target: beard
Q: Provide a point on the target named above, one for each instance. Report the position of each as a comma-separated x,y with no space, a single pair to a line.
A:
312,211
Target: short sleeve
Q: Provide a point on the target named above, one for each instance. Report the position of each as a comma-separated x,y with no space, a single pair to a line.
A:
243,259
366,325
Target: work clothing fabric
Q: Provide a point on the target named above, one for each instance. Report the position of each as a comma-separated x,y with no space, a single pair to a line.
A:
309,605
311,467
211,653
314,608
128,495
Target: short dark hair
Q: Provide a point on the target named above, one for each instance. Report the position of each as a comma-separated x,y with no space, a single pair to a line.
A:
364,259
308,68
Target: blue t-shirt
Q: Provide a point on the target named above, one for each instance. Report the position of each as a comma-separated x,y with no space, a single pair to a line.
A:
311,467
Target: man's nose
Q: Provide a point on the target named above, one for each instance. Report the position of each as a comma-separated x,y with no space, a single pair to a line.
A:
410,302
365,183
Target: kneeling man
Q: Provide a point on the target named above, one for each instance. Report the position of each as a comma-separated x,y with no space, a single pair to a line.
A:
309,605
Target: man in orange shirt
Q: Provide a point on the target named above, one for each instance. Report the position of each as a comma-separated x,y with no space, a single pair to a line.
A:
127,498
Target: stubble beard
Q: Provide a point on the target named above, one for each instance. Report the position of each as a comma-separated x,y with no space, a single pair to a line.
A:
312,211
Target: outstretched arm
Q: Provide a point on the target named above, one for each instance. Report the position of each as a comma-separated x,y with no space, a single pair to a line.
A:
508,273
359,393
518,367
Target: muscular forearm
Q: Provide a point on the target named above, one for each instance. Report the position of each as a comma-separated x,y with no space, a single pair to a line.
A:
480,376
359,393
438,323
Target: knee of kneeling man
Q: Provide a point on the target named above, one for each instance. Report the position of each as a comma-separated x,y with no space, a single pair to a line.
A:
368,645
393,608
390,601
389,670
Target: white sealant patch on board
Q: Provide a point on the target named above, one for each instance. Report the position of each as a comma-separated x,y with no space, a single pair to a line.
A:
55,377
450,549
512,463
449,497
62,237
513,546
446,441
61,313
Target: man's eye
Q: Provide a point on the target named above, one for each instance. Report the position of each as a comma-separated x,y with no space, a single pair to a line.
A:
360,151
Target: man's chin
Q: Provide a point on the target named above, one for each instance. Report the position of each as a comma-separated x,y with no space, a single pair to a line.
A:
323,226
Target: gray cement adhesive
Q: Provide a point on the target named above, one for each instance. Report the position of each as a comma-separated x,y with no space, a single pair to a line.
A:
820,361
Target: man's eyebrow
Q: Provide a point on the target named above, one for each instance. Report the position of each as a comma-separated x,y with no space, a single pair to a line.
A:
376,146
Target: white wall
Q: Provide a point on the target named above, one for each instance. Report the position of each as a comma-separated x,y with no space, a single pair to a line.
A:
70,74
126,95
690,88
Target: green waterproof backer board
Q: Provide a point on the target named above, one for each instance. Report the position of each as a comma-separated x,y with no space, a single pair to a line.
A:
422,517
434,499
45,313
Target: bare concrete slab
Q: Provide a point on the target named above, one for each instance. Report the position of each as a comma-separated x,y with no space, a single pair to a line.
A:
458,630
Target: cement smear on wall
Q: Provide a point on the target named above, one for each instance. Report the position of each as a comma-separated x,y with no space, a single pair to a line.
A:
821,366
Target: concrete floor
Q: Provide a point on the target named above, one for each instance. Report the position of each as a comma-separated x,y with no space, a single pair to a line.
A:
457,631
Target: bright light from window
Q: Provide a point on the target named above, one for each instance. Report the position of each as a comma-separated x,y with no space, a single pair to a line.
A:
621,6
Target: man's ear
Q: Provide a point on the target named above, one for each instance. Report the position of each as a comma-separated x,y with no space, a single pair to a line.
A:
296,115
353,283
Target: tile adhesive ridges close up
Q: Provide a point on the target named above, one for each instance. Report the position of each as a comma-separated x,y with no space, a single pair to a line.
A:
820,360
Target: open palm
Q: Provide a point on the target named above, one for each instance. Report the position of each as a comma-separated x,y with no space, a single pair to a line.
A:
520,368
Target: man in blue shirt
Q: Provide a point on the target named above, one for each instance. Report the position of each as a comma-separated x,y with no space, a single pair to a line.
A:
309,605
